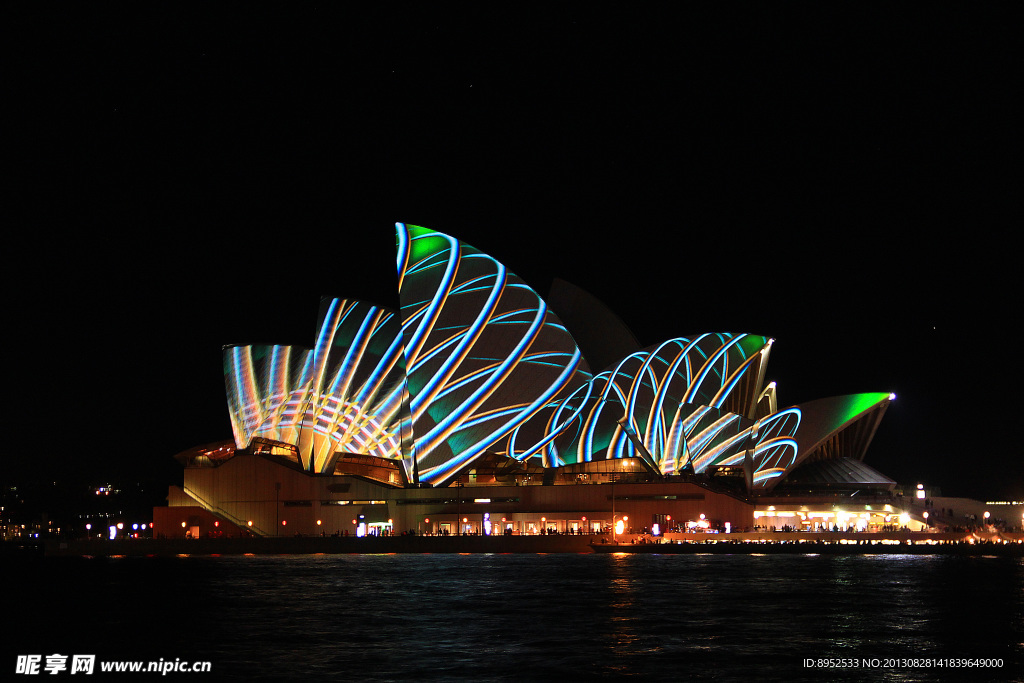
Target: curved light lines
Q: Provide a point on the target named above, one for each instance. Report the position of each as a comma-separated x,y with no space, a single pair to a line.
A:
662,395
266,388
344,395
775,450
475,363
483,353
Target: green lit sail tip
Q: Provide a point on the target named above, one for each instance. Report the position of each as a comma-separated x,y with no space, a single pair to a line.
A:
858,404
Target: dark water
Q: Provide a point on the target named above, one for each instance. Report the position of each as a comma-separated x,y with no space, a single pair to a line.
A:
523,617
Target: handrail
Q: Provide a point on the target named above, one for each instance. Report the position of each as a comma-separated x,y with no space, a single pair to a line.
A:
206,505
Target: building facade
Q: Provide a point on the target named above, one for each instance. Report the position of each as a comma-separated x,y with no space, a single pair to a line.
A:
473,408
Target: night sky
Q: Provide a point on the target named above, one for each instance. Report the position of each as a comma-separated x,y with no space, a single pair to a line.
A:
190,178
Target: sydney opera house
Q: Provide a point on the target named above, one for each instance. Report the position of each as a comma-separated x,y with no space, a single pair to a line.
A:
480,407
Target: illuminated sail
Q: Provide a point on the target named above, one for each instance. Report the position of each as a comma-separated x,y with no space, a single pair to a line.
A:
476,363
484,354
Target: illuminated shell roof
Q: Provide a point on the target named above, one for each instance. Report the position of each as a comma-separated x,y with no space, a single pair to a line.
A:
476,365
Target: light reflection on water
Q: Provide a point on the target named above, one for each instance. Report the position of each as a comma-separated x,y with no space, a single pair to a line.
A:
531,617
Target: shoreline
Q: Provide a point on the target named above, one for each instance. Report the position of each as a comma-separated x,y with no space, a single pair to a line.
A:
815,548
831,543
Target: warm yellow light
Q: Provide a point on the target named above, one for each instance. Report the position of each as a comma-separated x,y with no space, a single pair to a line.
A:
183,525
619,526
318,522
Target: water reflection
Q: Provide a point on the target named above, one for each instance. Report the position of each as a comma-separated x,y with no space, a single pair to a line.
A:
526,617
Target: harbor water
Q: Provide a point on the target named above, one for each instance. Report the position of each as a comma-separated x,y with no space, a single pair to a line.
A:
525,617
